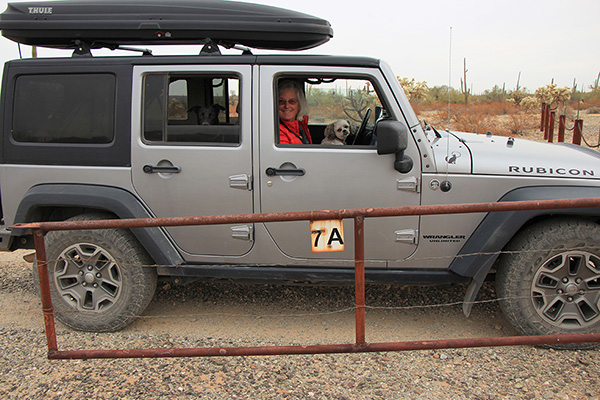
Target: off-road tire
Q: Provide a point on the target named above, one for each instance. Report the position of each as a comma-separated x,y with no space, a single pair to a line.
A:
100,280
548,280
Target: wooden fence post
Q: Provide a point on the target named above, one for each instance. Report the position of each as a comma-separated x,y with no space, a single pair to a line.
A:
551,127
542,118
577,129
561,128
546,122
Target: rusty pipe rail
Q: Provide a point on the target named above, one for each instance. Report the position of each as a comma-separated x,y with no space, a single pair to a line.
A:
326,348
40,228
314,215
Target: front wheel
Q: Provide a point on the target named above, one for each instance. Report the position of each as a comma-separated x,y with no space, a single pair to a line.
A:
99,279
549,279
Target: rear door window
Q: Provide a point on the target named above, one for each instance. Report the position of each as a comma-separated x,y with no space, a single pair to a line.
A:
191,109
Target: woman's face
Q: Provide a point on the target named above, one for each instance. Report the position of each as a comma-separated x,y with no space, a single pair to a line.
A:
288,105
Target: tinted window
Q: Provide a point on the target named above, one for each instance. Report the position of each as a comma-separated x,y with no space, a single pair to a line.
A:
64,109
191,109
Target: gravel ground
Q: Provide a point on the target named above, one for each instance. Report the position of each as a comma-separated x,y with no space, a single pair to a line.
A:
206,318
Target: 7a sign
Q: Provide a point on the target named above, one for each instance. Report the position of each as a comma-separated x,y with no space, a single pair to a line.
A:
327,235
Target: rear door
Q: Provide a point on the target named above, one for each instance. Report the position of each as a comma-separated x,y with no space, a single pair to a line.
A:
191,151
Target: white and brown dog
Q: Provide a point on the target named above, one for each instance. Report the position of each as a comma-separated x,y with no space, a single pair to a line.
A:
337,132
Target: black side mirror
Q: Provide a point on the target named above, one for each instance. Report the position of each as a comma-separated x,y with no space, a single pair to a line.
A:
392,138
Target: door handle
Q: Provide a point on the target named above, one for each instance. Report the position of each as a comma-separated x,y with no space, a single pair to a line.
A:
163,169
294,172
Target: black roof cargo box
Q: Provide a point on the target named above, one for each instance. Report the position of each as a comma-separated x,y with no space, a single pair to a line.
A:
105,23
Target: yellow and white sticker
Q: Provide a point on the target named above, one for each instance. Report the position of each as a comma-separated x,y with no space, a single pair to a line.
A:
327,235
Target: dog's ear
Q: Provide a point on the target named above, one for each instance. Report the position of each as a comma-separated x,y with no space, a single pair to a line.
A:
195,110
329,133
218,107
352,128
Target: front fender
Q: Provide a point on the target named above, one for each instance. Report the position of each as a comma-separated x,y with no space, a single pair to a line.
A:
481,250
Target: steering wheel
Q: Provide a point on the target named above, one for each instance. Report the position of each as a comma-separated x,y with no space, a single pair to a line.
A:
360,134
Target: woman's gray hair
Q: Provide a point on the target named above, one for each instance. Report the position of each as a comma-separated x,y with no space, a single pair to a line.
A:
302,104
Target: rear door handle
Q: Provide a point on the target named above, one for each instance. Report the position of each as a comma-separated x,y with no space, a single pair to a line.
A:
294,172
163,169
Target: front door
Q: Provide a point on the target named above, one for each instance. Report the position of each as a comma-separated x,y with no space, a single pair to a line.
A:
335,176
191,151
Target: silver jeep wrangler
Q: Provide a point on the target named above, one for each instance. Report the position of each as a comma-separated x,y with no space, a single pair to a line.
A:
88,137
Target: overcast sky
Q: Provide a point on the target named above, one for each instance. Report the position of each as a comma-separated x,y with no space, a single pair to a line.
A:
544,40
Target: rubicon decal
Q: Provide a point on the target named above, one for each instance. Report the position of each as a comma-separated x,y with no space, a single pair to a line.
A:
550,171
444,238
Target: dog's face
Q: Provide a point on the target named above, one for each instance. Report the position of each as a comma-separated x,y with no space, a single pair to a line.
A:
207,115
341,129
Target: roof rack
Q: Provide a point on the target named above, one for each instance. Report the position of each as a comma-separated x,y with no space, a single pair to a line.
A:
83,49
83,25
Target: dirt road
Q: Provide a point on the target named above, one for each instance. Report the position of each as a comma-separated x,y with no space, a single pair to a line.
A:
223,314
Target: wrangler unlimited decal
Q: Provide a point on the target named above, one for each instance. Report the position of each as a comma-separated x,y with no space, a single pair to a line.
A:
550,171
444,238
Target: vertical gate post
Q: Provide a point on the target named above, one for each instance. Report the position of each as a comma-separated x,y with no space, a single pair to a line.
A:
47,308
359,278
561,128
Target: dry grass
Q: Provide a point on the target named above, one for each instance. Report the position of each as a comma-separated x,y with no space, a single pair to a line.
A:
507,119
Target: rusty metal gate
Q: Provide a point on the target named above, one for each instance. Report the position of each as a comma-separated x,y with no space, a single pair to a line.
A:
358,215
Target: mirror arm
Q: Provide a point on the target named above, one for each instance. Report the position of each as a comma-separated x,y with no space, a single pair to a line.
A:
403,163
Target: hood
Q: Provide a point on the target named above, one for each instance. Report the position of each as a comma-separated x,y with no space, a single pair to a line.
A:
498,155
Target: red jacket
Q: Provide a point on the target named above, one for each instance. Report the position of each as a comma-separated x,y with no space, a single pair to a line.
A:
289,131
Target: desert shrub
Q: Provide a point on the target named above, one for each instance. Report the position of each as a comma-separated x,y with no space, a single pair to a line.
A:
520,121
529,103
441,94
415,91
494,95
517,96
553,95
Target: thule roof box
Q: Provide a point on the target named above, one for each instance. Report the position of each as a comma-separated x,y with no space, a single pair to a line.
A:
110,23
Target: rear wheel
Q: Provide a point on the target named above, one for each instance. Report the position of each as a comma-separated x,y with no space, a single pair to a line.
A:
99,279
549,280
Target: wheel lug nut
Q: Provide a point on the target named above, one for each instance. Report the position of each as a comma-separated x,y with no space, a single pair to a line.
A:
578,280
582,292
565,280
95,285
91,268
569,298
98,275
81,273
560,291
84,284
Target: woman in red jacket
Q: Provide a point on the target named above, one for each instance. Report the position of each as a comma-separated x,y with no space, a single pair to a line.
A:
293,114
